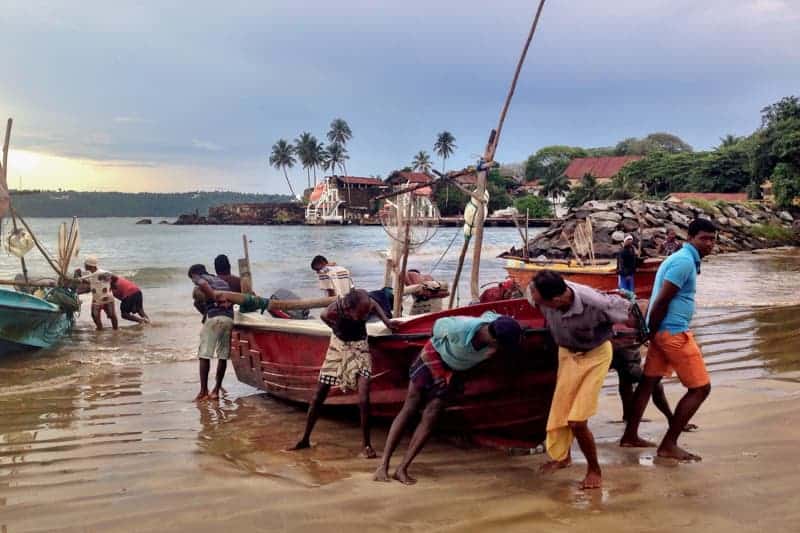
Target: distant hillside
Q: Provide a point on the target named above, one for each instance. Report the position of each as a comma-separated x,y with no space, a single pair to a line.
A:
119,204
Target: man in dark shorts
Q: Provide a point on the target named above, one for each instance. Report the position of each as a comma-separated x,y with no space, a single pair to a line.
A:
457,344
131,301
347,363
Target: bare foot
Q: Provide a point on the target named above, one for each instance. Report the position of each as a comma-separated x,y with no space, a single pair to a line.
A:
301,445
593,480
690,427
551,466
214,395
368,453
381,474
202,395
636,442
403,477
676,452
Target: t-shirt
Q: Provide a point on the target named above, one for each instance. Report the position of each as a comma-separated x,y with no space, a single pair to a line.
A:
626,261
213,307
452,340
123,288
335,278
100,286
589,321
680,269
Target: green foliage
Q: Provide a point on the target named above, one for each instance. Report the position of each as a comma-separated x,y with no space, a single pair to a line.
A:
450,200
444,146
551,161
705,205
772,232
785,184
64,204
536,206
588,189
422,162
655,142
498,187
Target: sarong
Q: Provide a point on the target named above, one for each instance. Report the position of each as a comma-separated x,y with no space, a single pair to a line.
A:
430,374
580,378
344,362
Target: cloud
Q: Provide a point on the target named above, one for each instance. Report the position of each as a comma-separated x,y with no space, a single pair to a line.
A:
208,146
130,119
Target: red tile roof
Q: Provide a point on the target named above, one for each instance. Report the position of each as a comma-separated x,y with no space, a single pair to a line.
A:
354,180
710,196
599,167
411,177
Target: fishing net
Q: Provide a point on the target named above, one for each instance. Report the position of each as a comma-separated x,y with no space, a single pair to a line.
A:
407,215
20,242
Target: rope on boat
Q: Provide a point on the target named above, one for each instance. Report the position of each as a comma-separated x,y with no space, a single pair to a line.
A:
441,257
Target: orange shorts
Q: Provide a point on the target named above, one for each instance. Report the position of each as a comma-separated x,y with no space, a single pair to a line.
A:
680,353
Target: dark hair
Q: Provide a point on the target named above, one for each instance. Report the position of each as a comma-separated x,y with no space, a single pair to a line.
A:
317,262
222,265
549,284
197,270
506,330
353,298
701,224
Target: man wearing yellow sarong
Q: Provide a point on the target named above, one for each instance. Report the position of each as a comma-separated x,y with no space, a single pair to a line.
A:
581,322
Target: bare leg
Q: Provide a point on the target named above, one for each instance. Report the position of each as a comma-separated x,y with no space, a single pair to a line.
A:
222,364
418,439
631,439
132,318
660,401
313,414
363,407
410,407
111,311
626,397
96,317
205,367
684,411
593,479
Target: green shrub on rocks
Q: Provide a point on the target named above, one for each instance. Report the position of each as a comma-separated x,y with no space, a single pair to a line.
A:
772,232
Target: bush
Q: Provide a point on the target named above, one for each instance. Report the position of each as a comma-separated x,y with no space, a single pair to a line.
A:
536,206
772,232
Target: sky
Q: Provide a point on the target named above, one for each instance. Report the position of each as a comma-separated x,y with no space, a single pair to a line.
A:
179,96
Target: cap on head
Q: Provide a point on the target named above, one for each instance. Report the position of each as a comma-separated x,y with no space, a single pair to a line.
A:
90,261
506,330
628,238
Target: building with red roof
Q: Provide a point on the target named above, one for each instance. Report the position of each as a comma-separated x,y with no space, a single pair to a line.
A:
339,199
602,168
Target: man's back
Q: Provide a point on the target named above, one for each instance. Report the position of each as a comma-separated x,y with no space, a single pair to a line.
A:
335,278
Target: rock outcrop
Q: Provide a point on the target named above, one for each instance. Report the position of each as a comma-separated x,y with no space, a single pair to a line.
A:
741,227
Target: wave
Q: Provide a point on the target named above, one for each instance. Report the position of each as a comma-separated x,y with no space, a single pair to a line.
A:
154,276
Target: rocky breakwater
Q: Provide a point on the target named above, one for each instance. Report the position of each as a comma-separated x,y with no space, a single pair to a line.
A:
248,214
741,227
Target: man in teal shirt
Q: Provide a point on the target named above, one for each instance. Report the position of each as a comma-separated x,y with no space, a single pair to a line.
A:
457,344
672,345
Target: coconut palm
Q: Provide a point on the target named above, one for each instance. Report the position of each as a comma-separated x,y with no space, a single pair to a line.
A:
340,132
304,146
422,162
444,146
282,157
336,157
553,186
728,141
317,156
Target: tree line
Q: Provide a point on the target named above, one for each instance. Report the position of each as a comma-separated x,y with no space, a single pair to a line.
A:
737,164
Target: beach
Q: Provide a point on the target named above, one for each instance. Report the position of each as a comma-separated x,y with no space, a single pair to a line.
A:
100,434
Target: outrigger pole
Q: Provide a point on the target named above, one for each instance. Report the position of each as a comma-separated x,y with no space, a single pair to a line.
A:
486,162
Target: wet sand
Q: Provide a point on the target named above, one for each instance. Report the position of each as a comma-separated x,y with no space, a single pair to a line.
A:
101,435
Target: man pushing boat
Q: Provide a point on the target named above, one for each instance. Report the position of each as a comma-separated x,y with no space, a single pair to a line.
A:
581,322
456,345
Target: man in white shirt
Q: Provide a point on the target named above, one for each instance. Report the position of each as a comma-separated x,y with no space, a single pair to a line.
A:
102,298
333,280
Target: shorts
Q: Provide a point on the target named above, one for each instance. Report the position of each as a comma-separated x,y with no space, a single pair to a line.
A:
132,304
344,362
626,282
678,352
215,338
431,376
628,364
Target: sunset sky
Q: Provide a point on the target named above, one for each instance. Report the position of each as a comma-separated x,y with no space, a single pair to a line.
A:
136,96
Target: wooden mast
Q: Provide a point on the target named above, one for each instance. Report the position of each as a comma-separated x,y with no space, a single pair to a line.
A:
488,160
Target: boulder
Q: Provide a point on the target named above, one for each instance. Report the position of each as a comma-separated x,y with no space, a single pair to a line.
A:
144,221
606,215
679,219
722,221
617,236
604,225
629,225
730,211
785,215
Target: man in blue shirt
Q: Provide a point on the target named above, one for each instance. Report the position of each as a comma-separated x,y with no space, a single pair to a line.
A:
457,344
672,345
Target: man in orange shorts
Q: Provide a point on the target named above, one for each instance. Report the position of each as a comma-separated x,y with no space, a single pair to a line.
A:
672,345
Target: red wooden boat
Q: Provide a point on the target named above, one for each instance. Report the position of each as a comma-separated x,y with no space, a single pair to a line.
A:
508,395
601,277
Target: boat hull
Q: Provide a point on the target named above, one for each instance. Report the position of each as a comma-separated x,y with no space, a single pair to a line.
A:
509,394
603,278
29,323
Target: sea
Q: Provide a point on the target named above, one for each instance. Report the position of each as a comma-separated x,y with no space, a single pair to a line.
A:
99,403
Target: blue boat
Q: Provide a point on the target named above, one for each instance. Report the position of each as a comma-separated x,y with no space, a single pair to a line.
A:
29,323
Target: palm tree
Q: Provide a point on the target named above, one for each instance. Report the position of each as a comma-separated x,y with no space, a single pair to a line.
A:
422,162
304,146
728,141
444,146
552,186
317,156
337,155
340,132
282,157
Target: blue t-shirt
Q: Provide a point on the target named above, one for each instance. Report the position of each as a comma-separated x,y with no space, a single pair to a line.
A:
452,340
680,269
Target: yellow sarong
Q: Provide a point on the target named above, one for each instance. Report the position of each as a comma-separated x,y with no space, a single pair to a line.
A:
580,378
